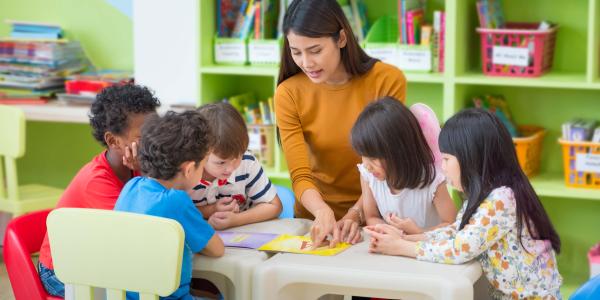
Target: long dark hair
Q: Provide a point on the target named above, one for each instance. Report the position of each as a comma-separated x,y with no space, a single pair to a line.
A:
321,18
487,159
387,130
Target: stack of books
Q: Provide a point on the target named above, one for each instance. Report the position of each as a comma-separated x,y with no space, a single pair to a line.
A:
82,88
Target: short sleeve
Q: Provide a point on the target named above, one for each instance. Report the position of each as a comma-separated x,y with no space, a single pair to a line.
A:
101,193
259,188
437,180
197,231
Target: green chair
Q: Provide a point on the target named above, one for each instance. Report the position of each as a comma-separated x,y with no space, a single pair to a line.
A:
115,250
14,198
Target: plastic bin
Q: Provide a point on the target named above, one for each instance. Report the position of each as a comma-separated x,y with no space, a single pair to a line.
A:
382,43
520,50
230,51
264,52
529,148
262,143
581,163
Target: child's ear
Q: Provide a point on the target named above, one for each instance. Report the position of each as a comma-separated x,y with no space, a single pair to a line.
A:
188,168
111,140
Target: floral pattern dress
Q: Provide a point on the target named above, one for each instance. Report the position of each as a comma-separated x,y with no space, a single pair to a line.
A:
516,271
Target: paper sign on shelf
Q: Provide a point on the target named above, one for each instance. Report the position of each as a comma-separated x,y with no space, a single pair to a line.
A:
514,56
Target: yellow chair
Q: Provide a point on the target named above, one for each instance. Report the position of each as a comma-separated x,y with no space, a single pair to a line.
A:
115,250
14,198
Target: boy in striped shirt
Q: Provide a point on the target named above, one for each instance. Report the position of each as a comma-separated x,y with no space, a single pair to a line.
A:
234,189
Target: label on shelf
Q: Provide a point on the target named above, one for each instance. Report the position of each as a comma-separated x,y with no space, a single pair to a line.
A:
514,56
385,54
586,162
254,141
230,52
414,59
263,52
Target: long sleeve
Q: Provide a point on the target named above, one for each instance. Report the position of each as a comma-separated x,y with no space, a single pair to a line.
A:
293,143
491,221
314,122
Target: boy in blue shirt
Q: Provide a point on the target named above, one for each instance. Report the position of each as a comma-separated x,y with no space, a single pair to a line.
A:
172,154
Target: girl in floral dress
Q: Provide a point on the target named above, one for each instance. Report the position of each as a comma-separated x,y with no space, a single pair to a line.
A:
502,223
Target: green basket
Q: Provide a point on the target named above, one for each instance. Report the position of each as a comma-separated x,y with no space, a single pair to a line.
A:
230,51
382,43
264,51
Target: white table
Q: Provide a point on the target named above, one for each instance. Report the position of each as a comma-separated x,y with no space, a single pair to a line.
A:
232,273
360,273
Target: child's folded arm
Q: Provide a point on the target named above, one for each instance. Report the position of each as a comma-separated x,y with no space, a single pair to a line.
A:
261,211
207,210
486,226
370,209
214,247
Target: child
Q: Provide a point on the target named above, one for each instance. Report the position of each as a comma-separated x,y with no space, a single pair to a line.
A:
116,117
399,181
234,189
502,224
172,155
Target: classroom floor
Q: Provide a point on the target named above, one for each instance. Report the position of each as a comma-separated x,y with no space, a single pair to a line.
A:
5,288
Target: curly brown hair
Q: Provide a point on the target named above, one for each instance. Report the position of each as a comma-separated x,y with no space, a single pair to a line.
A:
171,140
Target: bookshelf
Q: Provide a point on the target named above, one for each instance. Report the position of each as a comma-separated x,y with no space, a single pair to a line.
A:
571,89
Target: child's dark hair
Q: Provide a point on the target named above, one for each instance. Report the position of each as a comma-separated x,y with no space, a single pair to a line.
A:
228,127
321,18
387,130
113,106
487,159
171,140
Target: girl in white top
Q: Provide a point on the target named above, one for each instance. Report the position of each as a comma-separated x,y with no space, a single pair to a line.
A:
400,182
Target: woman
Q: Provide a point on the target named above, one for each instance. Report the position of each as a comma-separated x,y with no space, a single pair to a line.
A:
325,81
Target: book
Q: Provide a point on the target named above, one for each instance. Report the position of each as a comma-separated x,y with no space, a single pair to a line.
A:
426,33
414,18
442,42
301,245
250,240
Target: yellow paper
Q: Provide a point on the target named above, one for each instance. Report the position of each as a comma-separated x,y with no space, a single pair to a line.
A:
302,245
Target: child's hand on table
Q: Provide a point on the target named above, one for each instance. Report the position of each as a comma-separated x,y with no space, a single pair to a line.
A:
228,204
222,220
387,239
407,225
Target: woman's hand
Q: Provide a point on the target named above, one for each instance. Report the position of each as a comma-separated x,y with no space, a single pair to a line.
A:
323,225
349,231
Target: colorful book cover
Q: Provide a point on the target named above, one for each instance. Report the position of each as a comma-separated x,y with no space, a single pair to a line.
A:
301,245
251,240
414,18
227,14
426,32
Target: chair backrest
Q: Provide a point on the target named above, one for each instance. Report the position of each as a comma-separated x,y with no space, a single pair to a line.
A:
12,146
588,291
23,237
287,202
115,250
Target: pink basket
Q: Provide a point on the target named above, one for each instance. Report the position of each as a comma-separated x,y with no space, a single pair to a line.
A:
539,45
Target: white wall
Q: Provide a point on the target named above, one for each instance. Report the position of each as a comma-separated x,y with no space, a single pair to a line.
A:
166,41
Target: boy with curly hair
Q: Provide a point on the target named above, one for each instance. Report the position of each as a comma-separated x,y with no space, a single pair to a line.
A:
116,117
172,155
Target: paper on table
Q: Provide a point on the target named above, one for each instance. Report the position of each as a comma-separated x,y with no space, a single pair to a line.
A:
302,245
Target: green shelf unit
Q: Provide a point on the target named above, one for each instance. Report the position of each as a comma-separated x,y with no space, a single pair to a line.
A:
571,89
552,185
